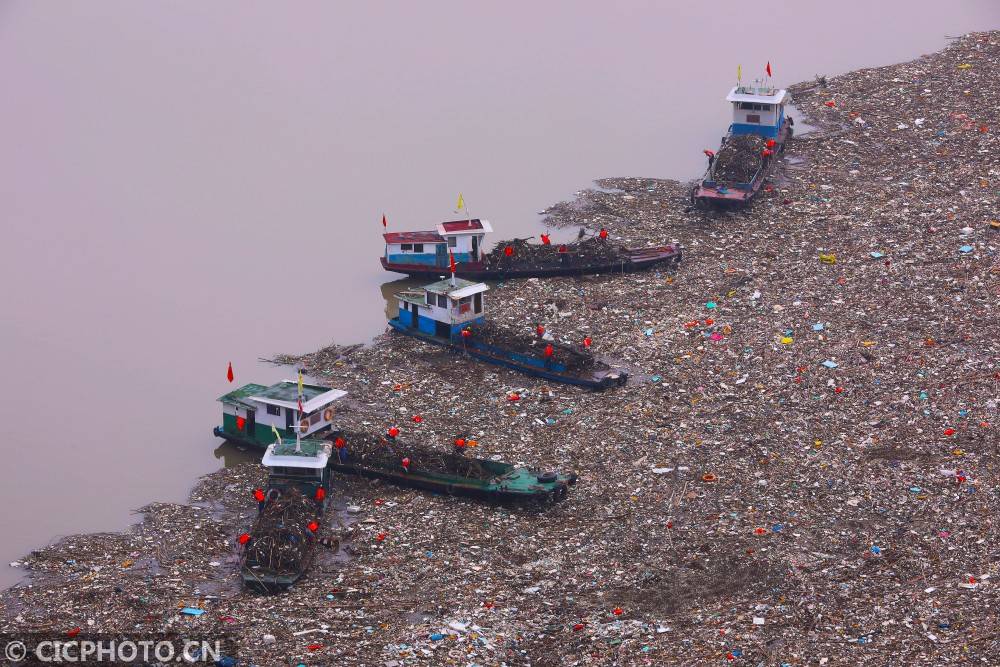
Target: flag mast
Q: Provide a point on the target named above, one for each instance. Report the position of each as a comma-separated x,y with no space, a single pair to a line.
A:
298,426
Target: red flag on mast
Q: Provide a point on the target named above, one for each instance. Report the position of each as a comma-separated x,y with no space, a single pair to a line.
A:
229,373
451,261
384,224
769,68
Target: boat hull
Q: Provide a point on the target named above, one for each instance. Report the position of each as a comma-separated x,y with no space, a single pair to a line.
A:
599,383
638,260
707,194
543,491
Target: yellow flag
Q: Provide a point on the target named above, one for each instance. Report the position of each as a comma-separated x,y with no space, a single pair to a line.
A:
461,202
300,383
739,73
277,435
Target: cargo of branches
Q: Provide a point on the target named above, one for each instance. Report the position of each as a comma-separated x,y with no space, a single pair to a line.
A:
428,254
746,157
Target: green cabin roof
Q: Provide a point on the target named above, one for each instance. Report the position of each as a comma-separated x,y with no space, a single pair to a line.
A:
236,396
307,447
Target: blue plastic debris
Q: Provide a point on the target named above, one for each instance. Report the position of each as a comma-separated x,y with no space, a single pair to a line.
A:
648,332
876,254
656,378
818,326
915,489
737,653
830,364
777,527
963,413
711,305
876,550
923,395
192,611
225,661
966,249
436,637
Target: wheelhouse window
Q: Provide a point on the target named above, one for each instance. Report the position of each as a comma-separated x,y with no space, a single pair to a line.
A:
430,297
442,301
418,247
452,242
753,118
274,410
406,247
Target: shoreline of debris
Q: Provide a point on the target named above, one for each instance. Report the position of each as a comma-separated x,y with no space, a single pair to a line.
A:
806,474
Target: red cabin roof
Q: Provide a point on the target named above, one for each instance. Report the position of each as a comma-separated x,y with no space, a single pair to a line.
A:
460,226
413,237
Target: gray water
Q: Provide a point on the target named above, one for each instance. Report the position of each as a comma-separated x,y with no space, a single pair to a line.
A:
187,184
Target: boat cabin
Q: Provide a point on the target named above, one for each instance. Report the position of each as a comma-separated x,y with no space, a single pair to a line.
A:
443,308
302,465
757,109
253,412
462,238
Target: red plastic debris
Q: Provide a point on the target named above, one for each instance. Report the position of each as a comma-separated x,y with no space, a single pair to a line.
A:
549,350
393,432
617,611
313,526
74,632
466,333
587,341
320,493
508,251
949,432
406,463
258,495
540,330
759,531
604,233
460,442
830,103
578,627
513,396
380,537
314,647
839,390
417,419
488,604
243,539
339,443
546,240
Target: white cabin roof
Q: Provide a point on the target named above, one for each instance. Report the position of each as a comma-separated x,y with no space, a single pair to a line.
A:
289,459
759,95
469,290
308,405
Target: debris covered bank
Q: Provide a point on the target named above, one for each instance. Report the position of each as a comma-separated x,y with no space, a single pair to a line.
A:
802,472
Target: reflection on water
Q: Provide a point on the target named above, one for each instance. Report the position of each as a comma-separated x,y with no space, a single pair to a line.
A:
232,454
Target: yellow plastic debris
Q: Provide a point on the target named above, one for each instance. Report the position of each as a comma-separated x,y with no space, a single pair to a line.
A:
869,343
828,258
965,66
786,340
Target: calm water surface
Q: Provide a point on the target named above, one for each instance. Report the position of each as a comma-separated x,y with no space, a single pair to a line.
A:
188,184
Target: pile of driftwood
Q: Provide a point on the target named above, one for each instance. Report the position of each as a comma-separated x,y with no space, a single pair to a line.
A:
280,540
739,158
522,254
529,343
384,453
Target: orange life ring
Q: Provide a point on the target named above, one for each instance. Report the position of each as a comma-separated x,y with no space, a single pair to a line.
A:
328,415
304,425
